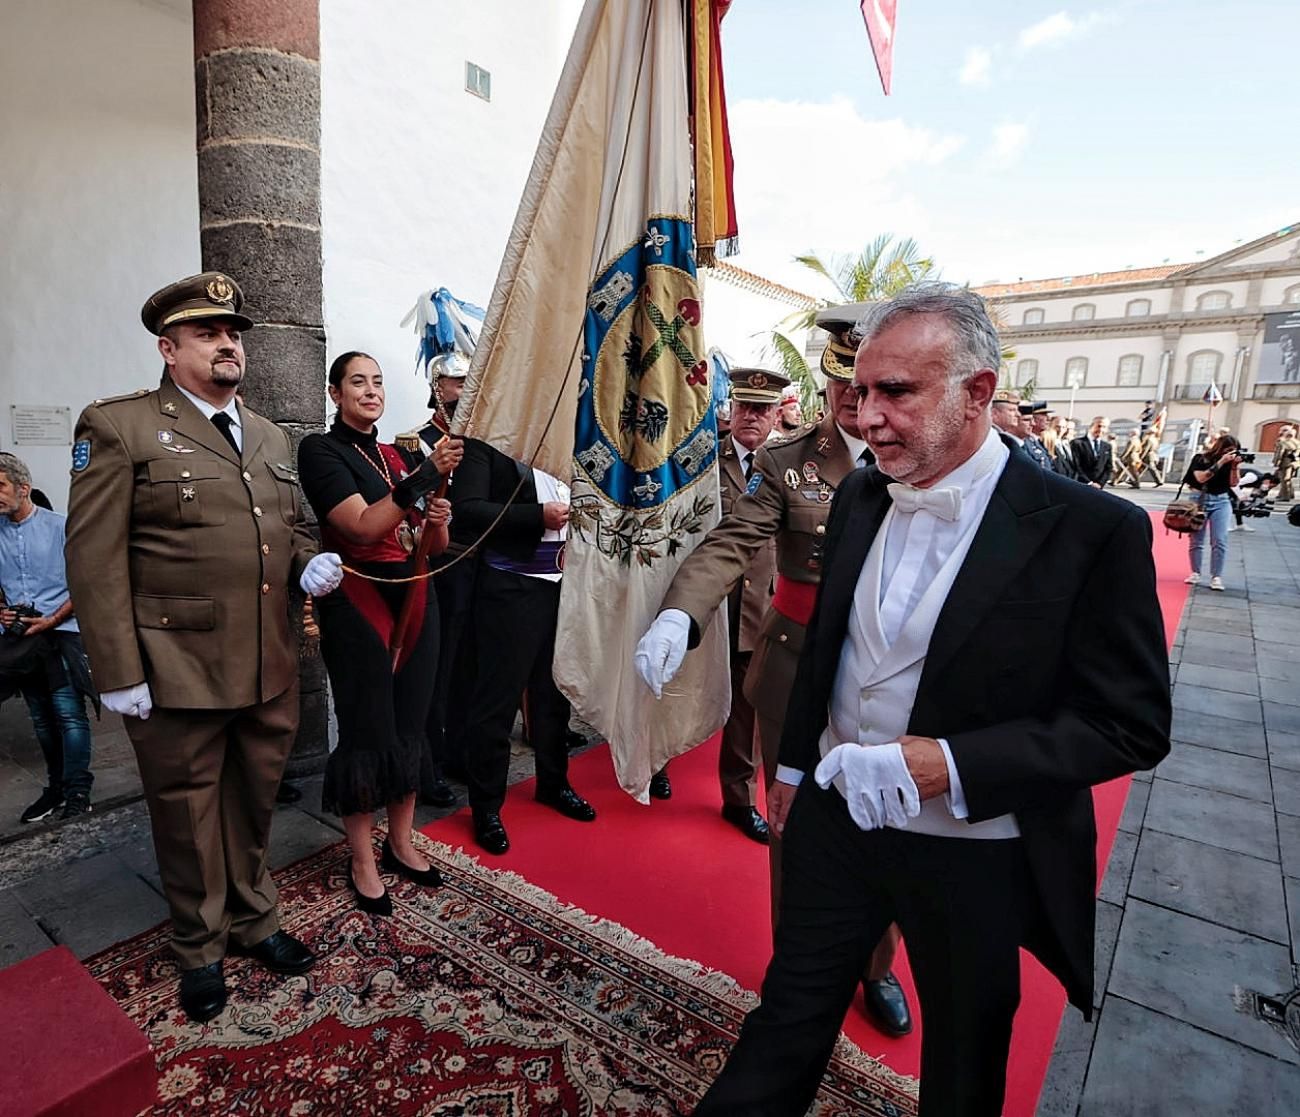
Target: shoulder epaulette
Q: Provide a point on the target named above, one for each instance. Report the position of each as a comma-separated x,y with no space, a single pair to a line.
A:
118,399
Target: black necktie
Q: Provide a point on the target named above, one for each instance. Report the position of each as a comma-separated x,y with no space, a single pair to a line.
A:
746,463
221,420
864,459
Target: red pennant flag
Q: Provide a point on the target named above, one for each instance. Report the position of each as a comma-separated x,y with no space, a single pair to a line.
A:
881,17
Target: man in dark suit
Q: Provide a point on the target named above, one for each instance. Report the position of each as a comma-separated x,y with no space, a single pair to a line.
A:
525,513
1093,459
952,745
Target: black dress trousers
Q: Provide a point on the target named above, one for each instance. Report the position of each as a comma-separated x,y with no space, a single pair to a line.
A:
514,622
958,903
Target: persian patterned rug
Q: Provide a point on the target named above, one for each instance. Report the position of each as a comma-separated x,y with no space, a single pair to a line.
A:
486,997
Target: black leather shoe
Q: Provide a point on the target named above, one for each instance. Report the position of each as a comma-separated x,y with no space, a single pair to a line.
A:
287,793
660,786
569,803
748,821
203,992
371,905
426,878
281,953
490,834
886,1005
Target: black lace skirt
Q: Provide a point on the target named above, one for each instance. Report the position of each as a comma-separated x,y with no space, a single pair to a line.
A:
381,715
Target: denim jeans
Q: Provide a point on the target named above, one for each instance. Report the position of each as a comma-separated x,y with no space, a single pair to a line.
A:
1218,518
59,718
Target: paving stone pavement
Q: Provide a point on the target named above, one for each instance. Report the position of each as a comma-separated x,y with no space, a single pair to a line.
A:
1202,891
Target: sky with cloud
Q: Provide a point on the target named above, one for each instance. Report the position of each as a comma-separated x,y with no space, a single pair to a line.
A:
1021,140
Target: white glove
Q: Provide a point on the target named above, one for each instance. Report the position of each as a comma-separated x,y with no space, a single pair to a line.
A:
322,574
877,784
662,649
130,702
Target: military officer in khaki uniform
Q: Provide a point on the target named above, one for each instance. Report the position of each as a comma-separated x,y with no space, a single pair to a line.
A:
756,402
184,531
1286,459
790,502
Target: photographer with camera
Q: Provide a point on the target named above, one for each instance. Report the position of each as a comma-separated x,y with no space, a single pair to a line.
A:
42,643
1212,475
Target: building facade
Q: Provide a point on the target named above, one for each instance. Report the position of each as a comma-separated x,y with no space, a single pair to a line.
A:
1105,343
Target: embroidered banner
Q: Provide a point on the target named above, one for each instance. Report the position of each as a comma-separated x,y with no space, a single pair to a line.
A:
591,365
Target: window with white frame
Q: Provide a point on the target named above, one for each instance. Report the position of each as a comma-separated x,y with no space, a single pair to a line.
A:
1130,370
1291,296
1137,308
1203,366
1032,317
1084,312
1076,372
1214,300
1026,371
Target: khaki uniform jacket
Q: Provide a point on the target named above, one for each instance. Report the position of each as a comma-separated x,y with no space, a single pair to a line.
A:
748,600
791,505
180,555
1286,453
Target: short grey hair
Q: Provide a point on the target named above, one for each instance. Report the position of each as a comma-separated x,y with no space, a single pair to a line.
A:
975,338
16,470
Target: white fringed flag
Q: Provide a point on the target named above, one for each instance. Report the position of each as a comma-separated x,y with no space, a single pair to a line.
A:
591,365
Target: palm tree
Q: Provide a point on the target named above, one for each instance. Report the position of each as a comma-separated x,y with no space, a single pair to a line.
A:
880,270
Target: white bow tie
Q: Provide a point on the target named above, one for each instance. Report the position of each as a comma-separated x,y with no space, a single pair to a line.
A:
944,503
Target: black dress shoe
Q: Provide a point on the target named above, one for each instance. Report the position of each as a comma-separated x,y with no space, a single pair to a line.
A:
574,740
287,793
886,1005
490,834
427,878
569,803
203,992
748,821
660,786
281,953
371,905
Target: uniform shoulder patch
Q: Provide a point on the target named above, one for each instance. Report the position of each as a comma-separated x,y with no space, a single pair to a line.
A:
755,479
80,455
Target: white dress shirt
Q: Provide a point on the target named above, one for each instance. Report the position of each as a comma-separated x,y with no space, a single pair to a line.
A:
916,556
855,445
550,489
207,411
743,455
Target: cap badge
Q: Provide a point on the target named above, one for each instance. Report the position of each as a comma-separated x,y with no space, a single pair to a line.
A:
220,290
757,380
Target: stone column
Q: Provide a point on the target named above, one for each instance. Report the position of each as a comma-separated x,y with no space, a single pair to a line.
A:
257,83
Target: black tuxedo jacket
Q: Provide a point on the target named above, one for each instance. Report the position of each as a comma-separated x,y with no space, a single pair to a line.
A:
1090,466
481,488
1034,717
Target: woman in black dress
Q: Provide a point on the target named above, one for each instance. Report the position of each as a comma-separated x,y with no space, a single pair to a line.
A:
364,493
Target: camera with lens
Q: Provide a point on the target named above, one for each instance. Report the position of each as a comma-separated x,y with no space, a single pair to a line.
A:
23,615
1256,506
1246,455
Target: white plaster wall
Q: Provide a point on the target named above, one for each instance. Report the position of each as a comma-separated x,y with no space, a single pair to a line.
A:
1194,291
1220,341
98,200
1059,308
1272,292
420,180
1279,250
740,322
1103,360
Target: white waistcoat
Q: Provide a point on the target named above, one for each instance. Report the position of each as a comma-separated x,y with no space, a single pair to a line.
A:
876,682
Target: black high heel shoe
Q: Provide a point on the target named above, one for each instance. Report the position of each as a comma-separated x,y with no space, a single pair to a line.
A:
372,905
426,878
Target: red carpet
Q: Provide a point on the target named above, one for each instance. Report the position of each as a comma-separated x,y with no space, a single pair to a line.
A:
676,874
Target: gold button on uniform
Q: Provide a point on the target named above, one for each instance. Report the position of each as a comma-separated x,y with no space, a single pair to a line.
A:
256,511
266,587
164,621
748,583
185,473
266,548
782,638
247,476
821,529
